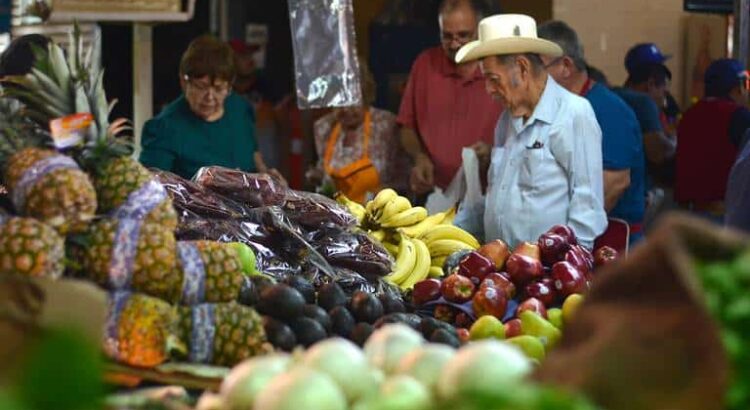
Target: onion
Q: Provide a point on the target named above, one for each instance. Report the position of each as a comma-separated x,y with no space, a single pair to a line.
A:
426,363
399,393
242,385
385,348
345,363
483,366
301,388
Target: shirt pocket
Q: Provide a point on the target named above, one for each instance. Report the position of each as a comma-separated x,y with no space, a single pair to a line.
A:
532,160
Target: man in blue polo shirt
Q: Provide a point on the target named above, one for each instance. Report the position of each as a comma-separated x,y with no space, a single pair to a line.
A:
622,147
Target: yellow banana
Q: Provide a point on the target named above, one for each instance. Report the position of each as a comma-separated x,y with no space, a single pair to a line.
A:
375,206
391,247
446,247
421,266
436,272
450,215
394,206
409,217
418,229
439,261
407,258
379,235
354,208
441,232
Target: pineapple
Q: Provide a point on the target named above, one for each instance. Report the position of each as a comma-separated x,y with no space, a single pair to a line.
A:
29,247
57,87
224,278
141,330
64,197
153,265
223,334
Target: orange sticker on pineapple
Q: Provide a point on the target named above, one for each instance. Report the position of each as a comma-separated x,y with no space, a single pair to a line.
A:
70,130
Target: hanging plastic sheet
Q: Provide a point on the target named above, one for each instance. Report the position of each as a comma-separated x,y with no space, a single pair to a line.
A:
325,58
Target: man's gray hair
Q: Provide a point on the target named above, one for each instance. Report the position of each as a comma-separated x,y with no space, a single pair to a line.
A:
537,65
559,32
448,6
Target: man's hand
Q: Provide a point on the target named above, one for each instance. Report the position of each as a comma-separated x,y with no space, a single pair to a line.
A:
484,155
422,179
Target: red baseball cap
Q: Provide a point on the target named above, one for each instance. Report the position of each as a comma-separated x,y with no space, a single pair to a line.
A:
241,47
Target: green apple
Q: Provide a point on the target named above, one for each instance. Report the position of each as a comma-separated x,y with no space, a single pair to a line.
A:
531,346
487,327
247,258
555,317
535,325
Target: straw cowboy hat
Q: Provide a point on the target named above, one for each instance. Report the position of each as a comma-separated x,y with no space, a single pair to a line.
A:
507,34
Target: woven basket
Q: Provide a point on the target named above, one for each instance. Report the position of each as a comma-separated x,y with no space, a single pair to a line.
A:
643,338
117,5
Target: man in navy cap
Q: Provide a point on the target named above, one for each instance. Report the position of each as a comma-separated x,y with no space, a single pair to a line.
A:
709,135
645,91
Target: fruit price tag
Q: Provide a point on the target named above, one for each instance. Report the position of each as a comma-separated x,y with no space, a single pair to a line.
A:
70,130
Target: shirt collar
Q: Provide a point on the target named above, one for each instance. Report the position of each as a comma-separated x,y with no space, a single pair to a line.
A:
545,109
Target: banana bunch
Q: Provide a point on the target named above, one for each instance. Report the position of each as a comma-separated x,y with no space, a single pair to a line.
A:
355,208
413,263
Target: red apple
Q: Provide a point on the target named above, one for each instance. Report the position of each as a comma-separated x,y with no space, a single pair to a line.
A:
490,301
457,288
426,291
463,335
568,279
497,251
553,248
576,258
587,255
532,304
500,281
541,291
528,249
566,232
475,267
463,320
523,269
604,256
513,328
445,313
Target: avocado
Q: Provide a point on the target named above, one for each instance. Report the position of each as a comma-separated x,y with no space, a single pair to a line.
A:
429,325
248,292
307,331
261,282
445,337
410,319
365,307
361,333
319,315
331,295
391,304
279,334
342,321
281,302
452,261
303,286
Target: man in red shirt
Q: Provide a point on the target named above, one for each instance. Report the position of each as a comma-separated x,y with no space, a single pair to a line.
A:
708,139
445,106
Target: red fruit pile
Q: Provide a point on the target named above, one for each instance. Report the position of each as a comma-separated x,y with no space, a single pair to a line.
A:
537,275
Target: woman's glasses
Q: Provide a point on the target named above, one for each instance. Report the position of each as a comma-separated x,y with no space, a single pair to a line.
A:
220,90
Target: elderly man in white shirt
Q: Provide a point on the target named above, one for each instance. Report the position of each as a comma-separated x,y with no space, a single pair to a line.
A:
546,165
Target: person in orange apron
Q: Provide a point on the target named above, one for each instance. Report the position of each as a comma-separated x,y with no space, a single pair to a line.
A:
358,149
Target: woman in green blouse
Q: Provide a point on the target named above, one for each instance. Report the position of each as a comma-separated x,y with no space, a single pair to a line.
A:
208,124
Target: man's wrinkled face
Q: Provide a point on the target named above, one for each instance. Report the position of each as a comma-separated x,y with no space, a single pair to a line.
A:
457,28
503,82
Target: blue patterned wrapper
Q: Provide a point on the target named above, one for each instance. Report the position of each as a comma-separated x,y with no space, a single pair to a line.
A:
34,173
202,334
194,271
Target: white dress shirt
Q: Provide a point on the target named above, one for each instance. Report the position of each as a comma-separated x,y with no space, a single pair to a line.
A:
546,171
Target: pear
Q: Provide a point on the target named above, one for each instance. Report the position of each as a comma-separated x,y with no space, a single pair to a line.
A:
247,258
534,325
570,306
531,346
487,327
555,316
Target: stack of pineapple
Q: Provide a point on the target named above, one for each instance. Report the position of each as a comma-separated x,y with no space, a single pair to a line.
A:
114,221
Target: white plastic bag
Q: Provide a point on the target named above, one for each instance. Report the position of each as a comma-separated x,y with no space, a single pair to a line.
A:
439,200
470,215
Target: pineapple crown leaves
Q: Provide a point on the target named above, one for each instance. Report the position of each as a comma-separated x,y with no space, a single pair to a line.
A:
17,131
